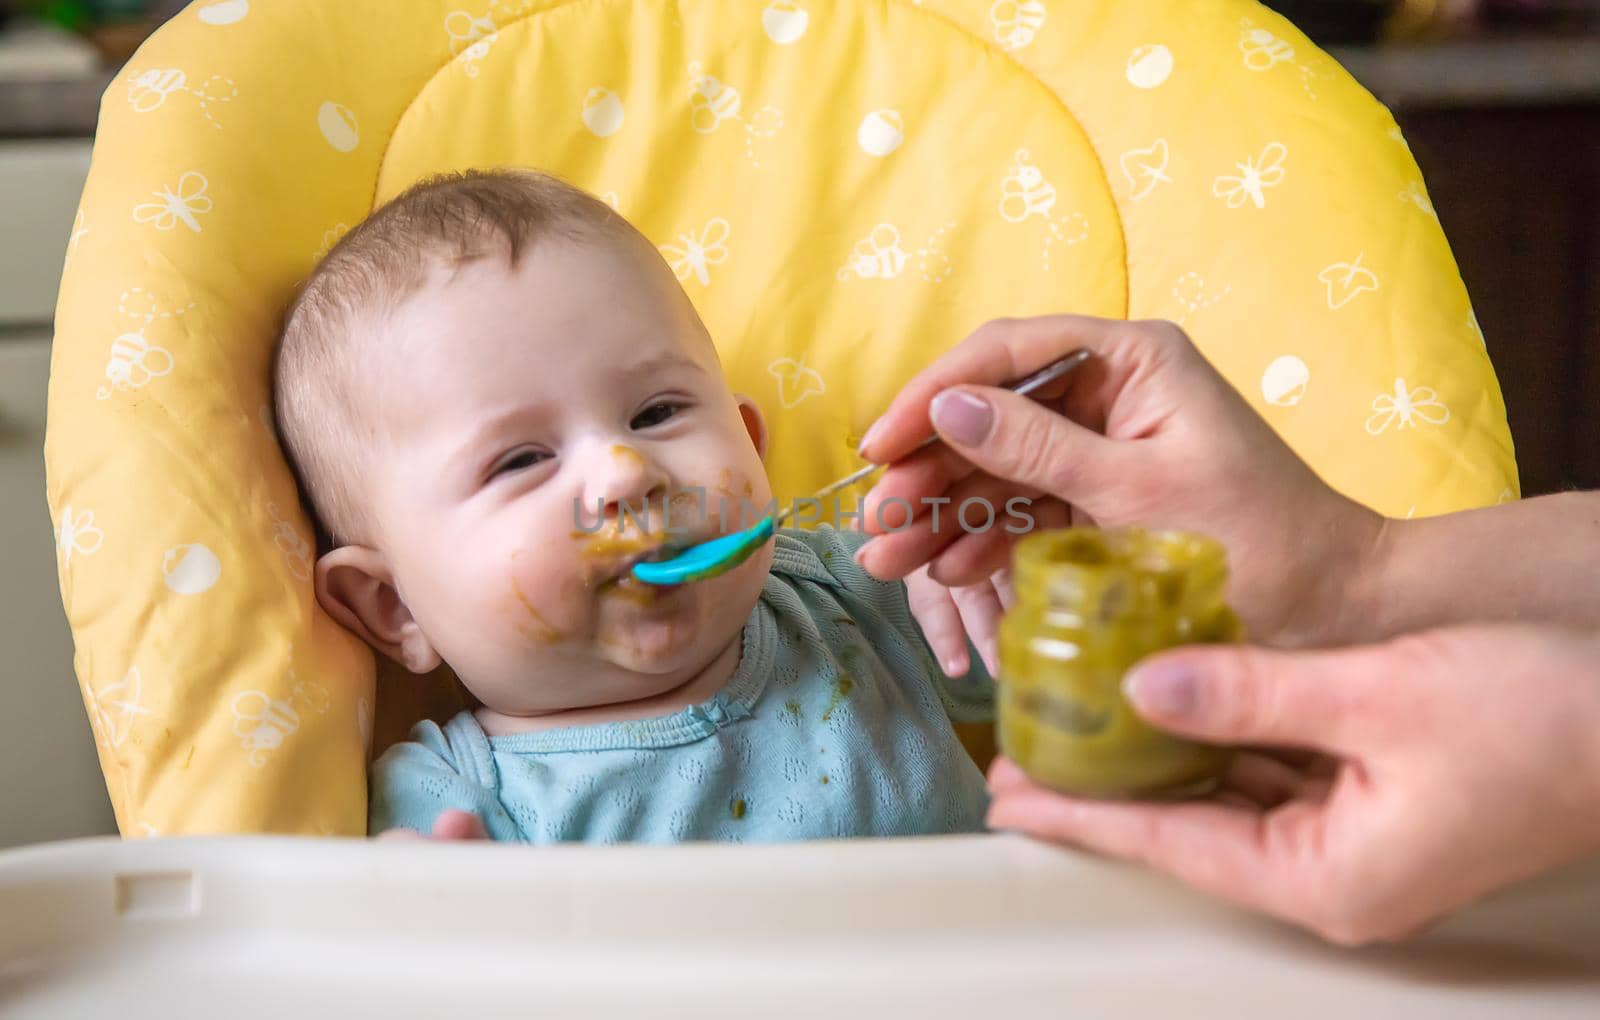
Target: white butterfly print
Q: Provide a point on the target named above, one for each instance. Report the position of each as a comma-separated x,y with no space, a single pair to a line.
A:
1255,176
1407,407
698,254
178,205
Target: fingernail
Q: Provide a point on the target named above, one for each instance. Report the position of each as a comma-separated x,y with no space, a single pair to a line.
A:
961,416
866,440
861,553
1162,689
953,668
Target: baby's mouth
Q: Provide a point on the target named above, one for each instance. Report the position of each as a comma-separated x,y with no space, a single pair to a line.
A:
623,586
615,572
610,555
625,568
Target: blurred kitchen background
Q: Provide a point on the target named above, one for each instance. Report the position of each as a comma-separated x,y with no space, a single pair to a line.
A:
1500,100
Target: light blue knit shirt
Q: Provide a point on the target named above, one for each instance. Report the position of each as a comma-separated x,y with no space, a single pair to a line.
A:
837,722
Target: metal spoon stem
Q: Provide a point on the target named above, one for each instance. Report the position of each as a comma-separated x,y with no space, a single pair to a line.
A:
1044,377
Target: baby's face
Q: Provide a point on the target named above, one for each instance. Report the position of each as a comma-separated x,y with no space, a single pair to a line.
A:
520,402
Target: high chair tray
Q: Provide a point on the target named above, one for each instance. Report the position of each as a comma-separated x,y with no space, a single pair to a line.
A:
971,927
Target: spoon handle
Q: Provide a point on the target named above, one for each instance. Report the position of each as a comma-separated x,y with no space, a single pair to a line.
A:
1025,387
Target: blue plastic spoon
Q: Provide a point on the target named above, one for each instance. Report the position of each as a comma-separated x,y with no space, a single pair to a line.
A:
720,555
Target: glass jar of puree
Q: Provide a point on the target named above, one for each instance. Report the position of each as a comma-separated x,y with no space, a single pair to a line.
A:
1090,604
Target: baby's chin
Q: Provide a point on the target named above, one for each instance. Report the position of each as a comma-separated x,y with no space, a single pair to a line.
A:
667,631
664,637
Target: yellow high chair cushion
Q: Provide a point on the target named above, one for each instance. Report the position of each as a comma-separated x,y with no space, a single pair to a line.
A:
846,188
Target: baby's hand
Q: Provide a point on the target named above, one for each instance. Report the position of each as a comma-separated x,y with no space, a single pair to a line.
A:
451,825
949,616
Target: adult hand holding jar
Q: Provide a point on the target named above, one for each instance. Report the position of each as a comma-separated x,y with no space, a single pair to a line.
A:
1445,740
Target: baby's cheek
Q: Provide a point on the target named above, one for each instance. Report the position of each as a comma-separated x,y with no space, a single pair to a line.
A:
741,499
538,606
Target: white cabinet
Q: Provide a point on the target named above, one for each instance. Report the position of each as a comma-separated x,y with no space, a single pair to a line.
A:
40,183
50,784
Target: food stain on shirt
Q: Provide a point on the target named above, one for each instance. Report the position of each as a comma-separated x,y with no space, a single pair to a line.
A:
843,684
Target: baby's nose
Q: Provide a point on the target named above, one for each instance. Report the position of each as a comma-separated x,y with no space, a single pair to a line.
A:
624,475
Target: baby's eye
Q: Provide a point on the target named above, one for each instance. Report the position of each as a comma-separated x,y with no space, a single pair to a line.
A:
518,460
655,414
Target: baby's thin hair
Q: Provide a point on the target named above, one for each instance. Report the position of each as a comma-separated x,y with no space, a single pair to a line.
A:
321,376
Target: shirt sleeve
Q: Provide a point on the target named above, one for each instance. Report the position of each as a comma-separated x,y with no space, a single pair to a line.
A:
967,699
436,770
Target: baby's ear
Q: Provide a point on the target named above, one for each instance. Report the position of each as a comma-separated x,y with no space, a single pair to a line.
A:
753,423
356,587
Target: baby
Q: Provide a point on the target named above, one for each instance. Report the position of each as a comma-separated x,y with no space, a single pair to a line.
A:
481,387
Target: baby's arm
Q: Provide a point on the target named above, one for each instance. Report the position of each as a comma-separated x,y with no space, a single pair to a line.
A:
932,619
419,787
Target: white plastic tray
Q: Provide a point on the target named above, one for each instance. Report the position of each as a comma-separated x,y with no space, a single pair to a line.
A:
974,927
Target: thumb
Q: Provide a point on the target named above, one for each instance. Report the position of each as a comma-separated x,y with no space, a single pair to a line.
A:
1330,701
1014,438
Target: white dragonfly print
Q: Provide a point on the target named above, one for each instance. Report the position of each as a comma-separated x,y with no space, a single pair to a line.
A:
1407,407
1255,176
698,254
177,205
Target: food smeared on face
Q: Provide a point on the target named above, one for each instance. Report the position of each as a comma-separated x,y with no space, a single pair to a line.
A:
627,454
536,627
